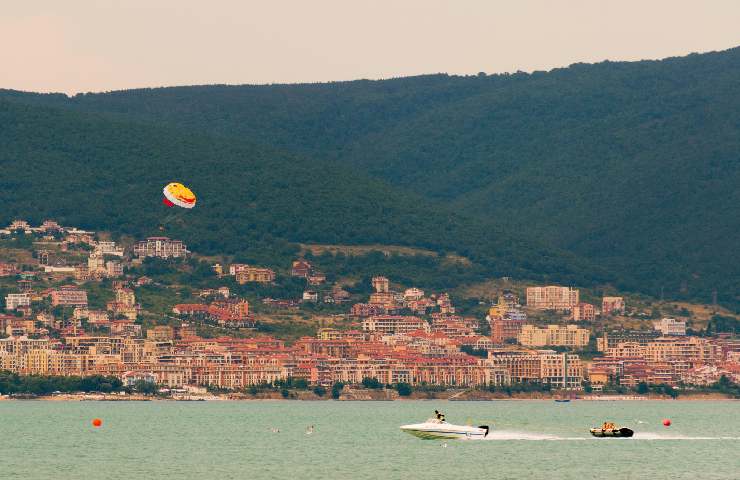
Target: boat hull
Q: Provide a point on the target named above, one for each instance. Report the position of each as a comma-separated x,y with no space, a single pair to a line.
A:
427,431
612,433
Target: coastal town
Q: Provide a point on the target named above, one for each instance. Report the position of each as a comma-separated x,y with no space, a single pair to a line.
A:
73,306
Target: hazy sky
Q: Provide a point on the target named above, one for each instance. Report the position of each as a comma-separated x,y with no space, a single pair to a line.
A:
94,45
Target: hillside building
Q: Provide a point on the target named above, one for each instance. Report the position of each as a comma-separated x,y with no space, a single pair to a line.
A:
386,299
300,268
560,370
68,295
670,326
612,305
583,312
113,269
249,274
7,269
310,296
381,284
108,248
552,298
554,335
15,300
413,294
160,247
612,339
394,324
507,326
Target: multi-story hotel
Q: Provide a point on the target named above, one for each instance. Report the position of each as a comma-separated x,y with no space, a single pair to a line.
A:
688,349
161,247
552,298
560,370
554,335
614,338
691,350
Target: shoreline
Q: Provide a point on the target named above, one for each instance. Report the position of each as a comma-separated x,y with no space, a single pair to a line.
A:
354,397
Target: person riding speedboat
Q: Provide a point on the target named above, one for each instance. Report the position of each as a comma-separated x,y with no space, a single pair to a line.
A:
438,427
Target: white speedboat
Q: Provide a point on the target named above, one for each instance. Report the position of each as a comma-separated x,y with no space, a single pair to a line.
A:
436,428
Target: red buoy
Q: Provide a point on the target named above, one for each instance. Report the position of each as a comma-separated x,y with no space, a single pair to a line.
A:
666,423
97,422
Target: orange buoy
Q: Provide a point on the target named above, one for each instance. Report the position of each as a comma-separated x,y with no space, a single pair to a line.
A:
97,422
666,423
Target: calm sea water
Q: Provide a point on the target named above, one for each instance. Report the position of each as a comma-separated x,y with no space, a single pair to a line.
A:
361,440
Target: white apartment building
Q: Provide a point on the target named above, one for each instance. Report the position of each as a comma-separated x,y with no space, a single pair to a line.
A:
108,248
15,300
161,247
670,326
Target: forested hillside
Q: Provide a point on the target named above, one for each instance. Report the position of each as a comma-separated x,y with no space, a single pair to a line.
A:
631,166
86,170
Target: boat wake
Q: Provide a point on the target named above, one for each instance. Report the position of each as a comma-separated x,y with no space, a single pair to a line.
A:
528,436
660,436
513,435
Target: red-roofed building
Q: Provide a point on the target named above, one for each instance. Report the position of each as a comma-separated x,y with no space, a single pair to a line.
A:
228,313
300,268
7,269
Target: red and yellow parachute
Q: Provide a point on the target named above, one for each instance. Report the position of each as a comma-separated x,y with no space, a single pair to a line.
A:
178,194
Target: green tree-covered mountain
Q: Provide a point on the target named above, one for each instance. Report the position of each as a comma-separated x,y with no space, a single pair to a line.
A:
631,166
85,169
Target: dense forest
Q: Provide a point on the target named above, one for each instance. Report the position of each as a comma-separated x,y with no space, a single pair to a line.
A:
254,202
620,172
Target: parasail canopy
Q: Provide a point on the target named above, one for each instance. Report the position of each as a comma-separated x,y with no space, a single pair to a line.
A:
178,194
